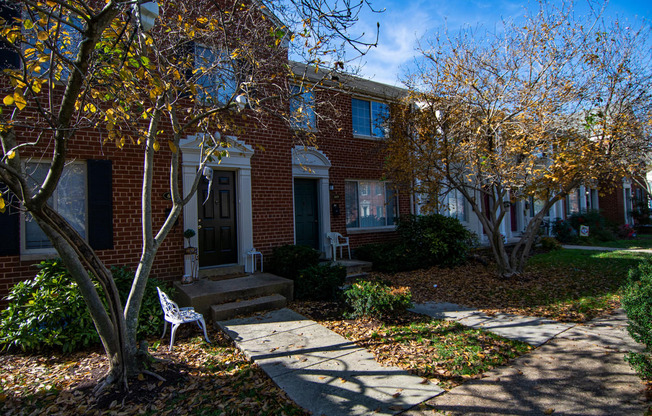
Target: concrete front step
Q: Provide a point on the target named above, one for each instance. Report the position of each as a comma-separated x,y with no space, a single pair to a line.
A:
354,268
203,294
245,307
225,270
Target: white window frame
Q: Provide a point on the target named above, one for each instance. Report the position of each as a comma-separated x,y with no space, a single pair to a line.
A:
372,122
39,253
365,207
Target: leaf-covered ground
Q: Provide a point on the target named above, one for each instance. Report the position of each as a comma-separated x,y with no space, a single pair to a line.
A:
201,379
442,352
567,285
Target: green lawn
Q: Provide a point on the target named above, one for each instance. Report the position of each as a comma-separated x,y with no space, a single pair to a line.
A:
641,241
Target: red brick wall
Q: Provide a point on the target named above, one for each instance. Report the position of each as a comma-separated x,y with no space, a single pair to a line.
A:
272,188
126,178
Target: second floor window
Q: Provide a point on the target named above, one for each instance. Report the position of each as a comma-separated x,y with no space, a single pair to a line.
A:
369,118
302,109
218,81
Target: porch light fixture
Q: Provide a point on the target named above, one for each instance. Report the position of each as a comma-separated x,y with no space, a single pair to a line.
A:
331,187
241,101
506,204
147,13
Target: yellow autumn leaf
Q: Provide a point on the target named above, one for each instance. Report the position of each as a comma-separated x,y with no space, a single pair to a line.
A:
8,100
156,146
11,154
173,146
36,87
19,100
42,35
3,207
90,107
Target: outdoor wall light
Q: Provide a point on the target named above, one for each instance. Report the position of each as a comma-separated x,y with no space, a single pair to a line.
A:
147,13
331,187
506,204
241,101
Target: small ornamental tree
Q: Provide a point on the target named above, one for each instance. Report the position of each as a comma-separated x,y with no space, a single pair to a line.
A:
536,109
88,64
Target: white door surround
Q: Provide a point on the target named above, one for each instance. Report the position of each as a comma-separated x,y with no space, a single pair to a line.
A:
310,163
238,159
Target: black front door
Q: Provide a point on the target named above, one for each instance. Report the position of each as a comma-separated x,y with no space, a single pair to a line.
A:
218,242
306,220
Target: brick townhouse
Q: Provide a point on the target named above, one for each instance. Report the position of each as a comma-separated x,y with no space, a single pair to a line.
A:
271,190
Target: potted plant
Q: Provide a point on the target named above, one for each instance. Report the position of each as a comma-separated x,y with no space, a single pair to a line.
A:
188,234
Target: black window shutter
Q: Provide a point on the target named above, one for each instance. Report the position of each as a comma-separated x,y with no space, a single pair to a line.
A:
10,226
100,204
8,55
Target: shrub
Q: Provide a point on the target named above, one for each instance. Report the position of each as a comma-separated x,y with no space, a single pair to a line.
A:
150,319
48,311
637,302
289,260
563,231
436,239
423,241
321,282
388,257
550,244
626,231
374,299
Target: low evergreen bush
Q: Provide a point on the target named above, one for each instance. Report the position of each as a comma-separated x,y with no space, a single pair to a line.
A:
48,311
288,260
637,302
550,244
321,282
563,231
376,300
391,257
424,241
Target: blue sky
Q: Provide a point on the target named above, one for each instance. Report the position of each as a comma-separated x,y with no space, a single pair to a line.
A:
404,22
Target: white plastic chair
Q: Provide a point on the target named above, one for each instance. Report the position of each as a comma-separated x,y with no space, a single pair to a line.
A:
177,316
337,240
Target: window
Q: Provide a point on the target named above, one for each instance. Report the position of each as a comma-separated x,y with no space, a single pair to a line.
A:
370,209
369,117
218,82
455,205
69,199
68,39
573,202
84,197
302,109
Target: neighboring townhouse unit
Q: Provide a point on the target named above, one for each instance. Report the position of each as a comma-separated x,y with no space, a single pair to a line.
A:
271,190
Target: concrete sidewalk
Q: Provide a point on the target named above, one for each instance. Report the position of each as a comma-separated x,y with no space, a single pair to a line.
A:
534,331
579,372
595,248
323,372
577,369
